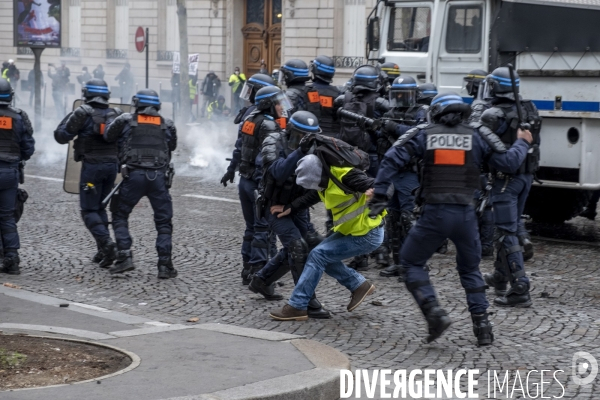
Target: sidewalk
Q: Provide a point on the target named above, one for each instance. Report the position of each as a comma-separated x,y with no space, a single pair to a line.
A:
184,361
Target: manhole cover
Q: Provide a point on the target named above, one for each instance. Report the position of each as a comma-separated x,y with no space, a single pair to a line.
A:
32,361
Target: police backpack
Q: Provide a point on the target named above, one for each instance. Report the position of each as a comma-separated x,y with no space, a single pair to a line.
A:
350,132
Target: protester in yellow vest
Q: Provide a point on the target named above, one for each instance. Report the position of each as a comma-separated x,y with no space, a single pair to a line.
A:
217,109
236,81
354,233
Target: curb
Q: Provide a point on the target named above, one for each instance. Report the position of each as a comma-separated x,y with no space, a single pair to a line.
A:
319,383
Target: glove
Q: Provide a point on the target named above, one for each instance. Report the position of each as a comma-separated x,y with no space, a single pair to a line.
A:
362,123
306,143
229,175
377,204
390,127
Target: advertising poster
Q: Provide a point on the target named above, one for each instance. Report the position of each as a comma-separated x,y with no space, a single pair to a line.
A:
37,23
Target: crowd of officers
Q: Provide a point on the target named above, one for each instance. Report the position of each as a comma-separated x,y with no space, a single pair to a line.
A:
439,168
430,168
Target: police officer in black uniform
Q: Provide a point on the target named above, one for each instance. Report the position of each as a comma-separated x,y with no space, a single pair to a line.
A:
474,86
323,71
403,116
247,147
510,190
16,145
280,154
99,162
452,154
146,140
391,71
425,94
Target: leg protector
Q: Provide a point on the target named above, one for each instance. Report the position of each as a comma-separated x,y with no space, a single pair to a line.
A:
298,253
313,238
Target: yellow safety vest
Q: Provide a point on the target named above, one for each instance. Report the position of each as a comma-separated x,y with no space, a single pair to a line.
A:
193,90
237,81
5,74
350,212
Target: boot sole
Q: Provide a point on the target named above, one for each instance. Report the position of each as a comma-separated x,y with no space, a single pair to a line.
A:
430,338
389,274
301,318
370,291
122,271
325,315
267,297
527,304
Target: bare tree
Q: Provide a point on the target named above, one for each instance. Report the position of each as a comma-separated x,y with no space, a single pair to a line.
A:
184,92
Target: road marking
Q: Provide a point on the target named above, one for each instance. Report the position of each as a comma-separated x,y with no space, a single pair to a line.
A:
45,178
198,196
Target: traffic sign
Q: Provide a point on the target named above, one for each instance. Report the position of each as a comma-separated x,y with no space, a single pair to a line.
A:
140,39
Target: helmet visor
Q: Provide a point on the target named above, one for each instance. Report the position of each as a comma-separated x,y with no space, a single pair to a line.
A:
281,78
246,91
403,97
294,138
282,105
486,93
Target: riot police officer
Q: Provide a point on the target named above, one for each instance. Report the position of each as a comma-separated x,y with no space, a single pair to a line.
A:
99,162
146,140
474,86
323,71
247,147
425,94
451,153
510,190
280,154
391,71
294,74
404,114
16,145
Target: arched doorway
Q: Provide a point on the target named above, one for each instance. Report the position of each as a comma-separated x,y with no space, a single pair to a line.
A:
262,35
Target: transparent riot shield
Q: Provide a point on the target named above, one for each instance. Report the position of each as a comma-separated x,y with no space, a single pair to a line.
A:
73,168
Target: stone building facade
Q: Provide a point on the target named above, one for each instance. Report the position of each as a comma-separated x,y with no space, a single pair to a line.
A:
225,33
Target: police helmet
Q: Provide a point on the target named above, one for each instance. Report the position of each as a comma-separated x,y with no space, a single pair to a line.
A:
275,74
390,70
254,84
403,92
6,92
499,84
425,93
301,123
96,90
272,100
145,98
322,68
473,80
447,103
293,71
366,77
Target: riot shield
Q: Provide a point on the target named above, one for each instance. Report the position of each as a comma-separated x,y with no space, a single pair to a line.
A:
73,168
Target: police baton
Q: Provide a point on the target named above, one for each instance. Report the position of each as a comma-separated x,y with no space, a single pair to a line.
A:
522,124
111,194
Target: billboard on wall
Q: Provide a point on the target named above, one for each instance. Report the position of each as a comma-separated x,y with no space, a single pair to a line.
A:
37,23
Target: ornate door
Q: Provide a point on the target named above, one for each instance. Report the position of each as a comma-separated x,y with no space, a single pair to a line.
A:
262,35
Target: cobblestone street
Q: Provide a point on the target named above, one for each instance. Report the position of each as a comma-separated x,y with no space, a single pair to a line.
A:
385,332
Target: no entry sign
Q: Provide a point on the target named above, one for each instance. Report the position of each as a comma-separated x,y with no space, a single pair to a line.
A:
140,39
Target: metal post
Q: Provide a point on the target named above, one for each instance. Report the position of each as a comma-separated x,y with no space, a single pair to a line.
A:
37,52
147,56
44,109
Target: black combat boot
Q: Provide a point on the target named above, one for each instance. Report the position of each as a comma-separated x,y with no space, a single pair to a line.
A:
437,320
482,328
246,273
487,252
589,213
313,239
124,262
517,296
496,280
10,264
315,309
165,269
392,270
257,285
98,256
527,247
109,253
381,256
359,263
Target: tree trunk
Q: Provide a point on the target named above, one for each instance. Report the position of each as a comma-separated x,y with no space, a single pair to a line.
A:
184,85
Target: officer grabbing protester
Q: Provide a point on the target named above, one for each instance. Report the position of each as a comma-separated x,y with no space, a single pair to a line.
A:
99,162
16,146
510,190
452,154
145,141
281,151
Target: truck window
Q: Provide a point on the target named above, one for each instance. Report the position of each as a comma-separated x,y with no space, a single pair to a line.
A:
409,29
463,30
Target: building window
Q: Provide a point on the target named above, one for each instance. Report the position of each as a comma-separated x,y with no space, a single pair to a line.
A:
463,30
354,27
409,29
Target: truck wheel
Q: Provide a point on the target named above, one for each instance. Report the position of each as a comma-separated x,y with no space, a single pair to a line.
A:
555,205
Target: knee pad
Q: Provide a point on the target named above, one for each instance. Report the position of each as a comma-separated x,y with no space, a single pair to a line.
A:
165,229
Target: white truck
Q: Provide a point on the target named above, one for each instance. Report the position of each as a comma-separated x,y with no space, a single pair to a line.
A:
555,47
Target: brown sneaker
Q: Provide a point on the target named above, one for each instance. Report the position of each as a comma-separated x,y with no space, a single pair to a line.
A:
359,295
289,313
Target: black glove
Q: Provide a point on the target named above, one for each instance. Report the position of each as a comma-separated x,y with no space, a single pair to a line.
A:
362,123
306,143
229,175
377,204
390,127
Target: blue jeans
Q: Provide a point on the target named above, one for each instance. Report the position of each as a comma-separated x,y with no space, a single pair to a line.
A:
327,257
